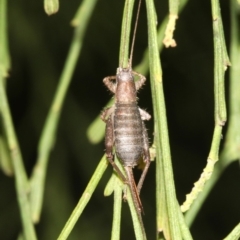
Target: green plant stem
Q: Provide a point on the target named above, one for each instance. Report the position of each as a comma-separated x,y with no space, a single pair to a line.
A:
186,235
221,61
235,234
207,171
4,50
21,182
84,199
219,65
125,33
5,158
161,133
196,205
137,220
116,224
169,41
231,150
173,6
50,127
116,185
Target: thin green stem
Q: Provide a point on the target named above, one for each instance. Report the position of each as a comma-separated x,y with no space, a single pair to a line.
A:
219,65
207,171
116,224
196,205
97,175
169,41
235,234
186,235
137,220
173,6
50,127
161,131
21,182
5,158
4,50
220,61
231,150
125,33
113,186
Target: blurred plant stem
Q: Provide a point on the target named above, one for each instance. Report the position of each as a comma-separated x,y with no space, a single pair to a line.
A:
97,175
21,182
167,207
49,131
4,50
234,234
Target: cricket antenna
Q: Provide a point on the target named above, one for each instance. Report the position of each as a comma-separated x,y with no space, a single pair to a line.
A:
134,35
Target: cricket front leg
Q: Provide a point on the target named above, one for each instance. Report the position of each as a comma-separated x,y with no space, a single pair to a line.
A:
109,142
109,83
141,80
146,158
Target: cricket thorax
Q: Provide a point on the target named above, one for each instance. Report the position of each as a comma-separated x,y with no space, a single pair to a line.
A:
126,89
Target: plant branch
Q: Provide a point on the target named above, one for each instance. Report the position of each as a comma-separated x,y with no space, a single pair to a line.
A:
234,234
21,181
49,131
161,140
220,64
83,201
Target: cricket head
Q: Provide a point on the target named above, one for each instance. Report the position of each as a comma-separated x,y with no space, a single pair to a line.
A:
124,75
126,90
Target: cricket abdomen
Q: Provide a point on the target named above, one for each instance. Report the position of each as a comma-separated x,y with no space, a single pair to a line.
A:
128,133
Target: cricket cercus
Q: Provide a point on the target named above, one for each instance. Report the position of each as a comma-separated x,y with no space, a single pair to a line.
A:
125,129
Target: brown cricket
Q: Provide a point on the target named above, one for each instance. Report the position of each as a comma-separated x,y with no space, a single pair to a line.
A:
125,129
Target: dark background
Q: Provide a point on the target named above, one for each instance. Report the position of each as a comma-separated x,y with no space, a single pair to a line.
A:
39,45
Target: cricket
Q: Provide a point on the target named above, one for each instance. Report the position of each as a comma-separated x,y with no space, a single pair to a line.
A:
125,129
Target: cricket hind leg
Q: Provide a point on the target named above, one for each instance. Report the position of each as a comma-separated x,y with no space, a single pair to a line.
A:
146,158
133,189
109,141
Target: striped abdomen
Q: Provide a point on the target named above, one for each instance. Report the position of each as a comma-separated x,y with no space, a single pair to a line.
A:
128,133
